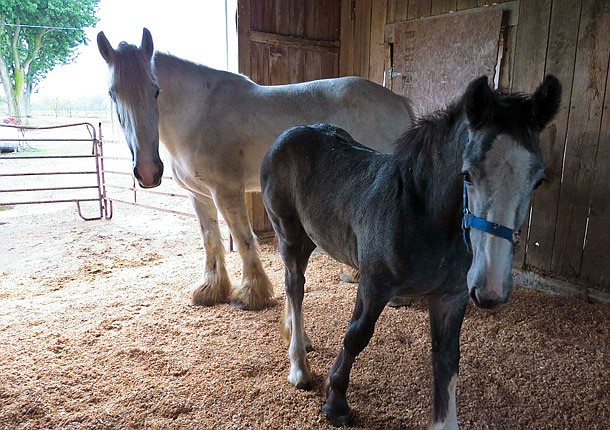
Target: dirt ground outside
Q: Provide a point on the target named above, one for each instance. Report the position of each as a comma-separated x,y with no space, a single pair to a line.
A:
97,331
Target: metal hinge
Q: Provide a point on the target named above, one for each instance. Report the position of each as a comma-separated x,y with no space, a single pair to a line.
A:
392,74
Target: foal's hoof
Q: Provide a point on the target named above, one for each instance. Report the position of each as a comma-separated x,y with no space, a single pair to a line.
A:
337,419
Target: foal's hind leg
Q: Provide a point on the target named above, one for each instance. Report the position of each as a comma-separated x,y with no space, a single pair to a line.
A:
359,332
295,247
446,316
216,285
255,291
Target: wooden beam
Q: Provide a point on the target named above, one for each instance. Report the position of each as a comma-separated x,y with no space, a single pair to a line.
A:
295,42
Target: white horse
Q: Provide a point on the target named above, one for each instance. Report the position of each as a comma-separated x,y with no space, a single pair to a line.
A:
217,126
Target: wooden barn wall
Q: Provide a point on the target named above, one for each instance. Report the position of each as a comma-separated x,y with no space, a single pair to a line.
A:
569,232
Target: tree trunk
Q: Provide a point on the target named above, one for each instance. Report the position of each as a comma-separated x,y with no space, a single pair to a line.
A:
18,96
4,77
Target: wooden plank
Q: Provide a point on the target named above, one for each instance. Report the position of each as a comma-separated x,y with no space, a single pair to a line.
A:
313,61
296,61
596,135
595,268
508,58
256,13
401,10
560,58
440,7
466,4
530,58
377,45
362,39
297,18
346,52
243,36
282,17
329,66
592,54
278,65
419,9
295,42
532,39
268,17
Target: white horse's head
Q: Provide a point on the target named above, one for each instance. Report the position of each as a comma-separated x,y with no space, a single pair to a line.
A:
134,91
502,165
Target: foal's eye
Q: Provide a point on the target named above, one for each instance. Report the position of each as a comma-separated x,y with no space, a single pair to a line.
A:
467,177
157,93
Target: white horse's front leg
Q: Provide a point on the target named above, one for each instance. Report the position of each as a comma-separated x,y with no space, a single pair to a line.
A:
255,291
216,285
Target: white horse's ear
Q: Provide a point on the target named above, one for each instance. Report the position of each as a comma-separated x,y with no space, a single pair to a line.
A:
479,100
105,47
147,43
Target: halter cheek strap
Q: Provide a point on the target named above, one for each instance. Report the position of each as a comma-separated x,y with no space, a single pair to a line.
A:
471,221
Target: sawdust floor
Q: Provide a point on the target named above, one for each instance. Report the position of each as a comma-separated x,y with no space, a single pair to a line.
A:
97,331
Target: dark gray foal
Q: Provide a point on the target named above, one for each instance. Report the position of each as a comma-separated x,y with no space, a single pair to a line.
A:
437,219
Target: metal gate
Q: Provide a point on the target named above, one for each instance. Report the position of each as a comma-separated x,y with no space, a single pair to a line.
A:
70,168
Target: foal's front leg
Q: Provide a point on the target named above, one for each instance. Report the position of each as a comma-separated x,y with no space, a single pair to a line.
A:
359,332
446,316
216,285
255,291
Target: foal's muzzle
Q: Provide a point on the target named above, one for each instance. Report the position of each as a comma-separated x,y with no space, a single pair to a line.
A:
149,176
487,302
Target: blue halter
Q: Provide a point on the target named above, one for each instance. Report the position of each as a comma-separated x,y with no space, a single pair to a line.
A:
471,221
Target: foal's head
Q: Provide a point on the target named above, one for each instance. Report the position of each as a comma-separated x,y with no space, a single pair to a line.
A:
502,165
134,91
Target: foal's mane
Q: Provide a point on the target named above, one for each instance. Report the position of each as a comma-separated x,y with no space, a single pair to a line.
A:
512,113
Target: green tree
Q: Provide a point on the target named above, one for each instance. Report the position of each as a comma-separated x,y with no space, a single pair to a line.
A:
36,36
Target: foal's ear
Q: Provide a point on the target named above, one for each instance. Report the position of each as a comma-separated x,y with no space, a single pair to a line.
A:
478,100
147,43
546,101
105,47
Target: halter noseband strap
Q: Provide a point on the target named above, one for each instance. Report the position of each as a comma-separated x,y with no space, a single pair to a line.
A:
471,221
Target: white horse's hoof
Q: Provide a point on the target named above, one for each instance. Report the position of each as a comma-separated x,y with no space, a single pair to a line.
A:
253,294
214,290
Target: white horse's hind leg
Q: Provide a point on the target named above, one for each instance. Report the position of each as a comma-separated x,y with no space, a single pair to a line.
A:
216,285
255,291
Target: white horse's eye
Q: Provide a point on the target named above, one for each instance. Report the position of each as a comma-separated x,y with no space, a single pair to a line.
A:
540,181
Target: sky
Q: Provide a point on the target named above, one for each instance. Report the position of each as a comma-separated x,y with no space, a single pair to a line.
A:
191,29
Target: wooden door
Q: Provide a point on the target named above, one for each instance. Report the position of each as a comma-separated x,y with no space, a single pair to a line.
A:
283,42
